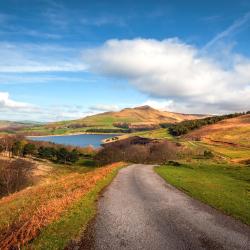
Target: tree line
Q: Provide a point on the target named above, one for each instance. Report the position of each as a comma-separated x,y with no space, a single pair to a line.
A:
17,146
185,126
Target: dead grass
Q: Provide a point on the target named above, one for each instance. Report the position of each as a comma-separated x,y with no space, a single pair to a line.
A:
25,213
234,131
229,138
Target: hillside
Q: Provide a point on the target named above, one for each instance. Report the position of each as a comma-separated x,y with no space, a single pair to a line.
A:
137,117
11,126
235,131
230,137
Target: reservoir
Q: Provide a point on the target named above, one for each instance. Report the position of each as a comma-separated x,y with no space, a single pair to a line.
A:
81,140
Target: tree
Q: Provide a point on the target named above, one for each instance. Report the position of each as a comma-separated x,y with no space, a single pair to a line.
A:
29,149
17,148
74,156
46,152
62,155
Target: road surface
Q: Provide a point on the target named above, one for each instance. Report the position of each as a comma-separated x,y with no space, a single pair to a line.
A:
139,210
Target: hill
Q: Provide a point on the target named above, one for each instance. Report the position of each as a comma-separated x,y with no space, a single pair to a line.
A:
235,131
12,126
138,117
230,137
142,114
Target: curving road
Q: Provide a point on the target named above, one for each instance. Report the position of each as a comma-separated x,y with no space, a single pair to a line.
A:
139,210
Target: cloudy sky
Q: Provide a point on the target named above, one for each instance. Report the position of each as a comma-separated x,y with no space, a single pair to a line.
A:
68,59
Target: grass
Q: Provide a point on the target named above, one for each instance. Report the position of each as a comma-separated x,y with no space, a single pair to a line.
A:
223,186
26,213
161,133
237,135
60,128
58,234
231,152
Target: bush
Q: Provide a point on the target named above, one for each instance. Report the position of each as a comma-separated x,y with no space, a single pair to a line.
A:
29,149
173,163
208,154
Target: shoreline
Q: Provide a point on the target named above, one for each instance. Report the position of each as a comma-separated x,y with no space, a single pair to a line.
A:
79,133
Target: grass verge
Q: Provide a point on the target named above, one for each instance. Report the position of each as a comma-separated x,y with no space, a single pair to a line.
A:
58,234
223,186
26,214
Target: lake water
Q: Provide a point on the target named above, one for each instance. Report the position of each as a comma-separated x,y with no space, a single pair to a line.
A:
82,140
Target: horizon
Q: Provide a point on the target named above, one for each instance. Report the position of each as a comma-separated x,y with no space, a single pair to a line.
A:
68,60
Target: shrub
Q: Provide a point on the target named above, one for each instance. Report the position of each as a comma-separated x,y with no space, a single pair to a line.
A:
208,154
173,163
29,149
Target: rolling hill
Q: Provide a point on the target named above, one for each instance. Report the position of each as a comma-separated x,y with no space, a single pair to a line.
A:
230,137
137,117
12,126
235,131
142,114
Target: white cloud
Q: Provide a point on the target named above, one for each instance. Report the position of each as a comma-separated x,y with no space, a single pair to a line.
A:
230,30
159,104
173,70
19,111
104,107
20,58
7,103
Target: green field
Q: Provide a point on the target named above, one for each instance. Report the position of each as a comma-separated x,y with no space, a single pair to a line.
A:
223,186
65,127
161,133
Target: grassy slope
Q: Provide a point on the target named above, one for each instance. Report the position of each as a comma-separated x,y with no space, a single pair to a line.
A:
230,137
223,186
53,203
58,234
22,200
161,133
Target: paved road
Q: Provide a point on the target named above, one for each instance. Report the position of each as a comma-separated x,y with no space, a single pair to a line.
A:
141,211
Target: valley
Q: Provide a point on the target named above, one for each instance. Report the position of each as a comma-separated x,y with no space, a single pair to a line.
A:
51,208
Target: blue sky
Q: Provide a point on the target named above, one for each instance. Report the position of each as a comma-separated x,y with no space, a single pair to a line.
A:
68,59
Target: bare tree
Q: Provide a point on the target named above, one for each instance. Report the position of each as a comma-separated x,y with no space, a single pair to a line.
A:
14,175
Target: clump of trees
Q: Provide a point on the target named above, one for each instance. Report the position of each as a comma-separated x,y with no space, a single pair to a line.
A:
77,125
138,150
124,125
185,126
18,146
135,127
107,130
